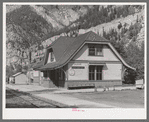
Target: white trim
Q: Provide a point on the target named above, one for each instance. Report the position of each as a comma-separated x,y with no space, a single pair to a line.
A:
99,64
117,54
108,43
87,61
97,42
120,57
145,56
75,3
17,74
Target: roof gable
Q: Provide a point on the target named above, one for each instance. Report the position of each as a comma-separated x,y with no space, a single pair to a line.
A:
65,48
58,47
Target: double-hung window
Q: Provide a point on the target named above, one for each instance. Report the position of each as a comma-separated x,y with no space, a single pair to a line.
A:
95,72
92,73
91,50
99,73
95,50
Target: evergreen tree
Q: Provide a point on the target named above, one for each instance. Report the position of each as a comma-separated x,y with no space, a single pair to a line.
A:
135,58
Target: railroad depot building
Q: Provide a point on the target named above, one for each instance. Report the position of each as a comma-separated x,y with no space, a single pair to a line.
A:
81,61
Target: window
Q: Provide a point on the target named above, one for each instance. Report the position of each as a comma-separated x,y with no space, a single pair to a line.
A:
95,72
52,57
99,51
98,72
91,72
92,50
95,50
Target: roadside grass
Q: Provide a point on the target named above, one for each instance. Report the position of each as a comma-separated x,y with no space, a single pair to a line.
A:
122,99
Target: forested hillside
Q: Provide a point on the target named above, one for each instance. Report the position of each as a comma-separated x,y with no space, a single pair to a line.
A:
27,26
31,28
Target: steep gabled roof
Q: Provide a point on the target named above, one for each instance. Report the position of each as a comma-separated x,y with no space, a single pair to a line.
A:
60,46
64,49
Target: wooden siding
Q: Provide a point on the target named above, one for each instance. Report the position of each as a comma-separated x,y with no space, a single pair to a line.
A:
21,79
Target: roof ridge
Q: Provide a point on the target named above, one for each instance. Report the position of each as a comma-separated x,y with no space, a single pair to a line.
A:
54,42
88,33
67,48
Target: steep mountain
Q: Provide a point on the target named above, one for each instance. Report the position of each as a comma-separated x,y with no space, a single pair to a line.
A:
108,26
30,28
29,25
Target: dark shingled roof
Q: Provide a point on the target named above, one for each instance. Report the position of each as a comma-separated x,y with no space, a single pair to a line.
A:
60,46
65,47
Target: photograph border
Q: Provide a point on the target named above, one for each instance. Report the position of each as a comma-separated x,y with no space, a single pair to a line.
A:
116,114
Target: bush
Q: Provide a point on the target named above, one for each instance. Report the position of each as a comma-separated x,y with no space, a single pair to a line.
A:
133,31
130,76
135,58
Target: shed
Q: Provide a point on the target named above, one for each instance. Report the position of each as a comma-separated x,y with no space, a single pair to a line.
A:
20,78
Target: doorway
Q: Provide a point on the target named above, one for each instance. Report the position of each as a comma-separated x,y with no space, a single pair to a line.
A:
60,77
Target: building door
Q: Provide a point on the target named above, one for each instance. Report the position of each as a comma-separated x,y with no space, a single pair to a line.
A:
95,72
61,78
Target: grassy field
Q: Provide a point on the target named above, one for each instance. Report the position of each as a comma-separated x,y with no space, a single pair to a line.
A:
122,99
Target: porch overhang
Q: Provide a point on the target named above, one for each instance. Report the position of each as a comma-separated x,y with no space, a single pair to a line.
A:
97,63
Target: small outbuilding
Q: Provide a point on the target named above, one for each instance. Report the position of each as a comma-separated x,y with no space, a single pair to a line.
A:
20,78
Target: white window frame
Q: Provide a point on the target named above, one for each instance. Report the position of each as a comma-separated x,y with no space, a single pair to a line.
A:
95,72
96,48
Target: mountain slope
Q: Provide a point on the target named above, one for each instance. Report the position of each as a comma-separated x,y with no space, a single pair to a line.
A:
32,27
28,25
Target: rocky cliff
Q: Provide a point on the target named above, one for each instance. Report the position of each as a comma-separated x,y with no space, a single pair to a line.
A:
30,28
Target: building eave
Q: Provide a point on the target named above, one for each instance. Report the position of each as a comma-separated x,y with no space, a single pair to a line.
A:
69,53
121,59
